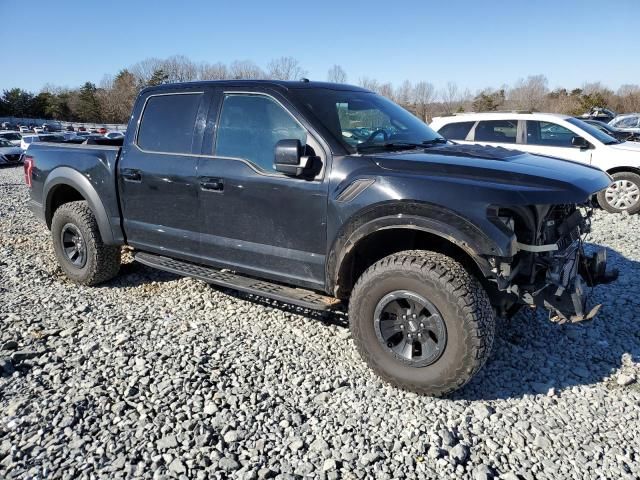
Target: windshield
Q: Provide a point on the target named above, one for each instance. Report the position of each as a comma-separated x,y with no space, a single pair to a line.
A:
363,121
4,143
593,131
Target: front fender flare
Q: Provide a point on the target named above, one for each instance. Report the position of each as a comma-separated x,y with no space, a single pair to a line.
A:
432,219
72,178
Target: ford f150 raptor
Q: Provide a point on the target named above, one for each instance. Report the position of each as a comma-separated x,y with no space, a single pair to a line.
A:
328,196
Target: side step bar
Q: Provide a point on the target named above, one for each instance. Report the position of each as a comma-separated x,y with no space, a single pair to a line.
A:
296,296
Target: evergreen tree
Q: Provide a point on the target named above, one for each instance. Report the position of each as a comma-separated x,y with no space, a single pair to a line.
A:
158,77
89,109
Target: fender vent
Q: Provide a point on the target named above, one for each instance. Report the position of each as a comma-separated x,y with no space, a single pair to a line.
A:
354,189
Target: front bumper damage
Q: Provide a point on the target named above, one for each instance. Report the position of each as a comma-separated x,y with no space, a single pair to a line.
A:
567,296
558,275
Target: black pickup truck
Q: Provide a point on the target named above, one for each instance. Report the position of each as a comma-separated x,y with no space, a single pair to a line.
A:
329,196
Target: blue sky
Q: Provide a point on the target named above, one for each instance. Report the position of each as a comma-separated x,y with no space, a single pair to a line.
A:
474,43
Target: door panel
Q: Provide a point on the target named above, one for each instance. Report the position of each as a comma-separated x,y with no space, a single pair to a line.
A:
259,221
551,139
157,175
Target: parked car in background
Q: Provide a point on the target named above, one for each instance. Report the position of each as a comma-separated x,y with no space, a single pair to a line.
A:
9,153
114,135
69,128
8,126
600,113
613,131
559,136
51,127
24,129
13,137
37,130
102,130
82,129
27,140
628,122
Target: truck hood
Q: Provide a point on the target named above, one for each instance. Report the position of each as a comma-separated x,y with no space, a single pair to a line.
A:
530,178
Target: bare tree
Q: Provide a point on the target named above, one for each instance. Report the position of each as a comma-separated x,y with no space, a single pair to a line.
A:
336,74
404,94
386,90
629,98
451,98
369,83
423,95
215,71
180,69
529,93
245,69
285,68
144,70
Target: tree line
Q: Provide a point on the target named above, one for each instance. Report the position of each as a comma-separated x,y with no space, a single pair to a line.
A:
112,99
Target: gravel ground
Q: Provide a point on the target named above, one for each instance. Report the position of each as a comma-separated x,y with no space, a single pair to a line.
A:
156,376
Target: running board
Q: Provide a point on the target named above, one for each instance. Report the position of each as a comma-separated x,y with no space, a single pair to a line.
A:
296,296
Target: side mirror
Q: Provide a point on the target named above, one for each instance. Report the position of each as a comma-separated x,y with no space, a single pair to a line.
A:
579,142
289,158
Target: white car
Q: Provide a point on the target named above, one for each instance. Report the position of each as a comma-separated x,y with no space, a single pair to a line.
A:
13,137
28,140
629,122
9,154
24,129
559,136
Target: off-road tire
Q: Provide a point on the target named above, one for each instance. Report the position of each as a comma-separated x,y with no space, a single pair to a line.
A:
464,306
102,261
602,201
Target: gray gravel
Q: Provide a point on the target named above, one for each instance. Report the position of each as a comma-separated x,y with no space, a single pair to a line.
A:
156,376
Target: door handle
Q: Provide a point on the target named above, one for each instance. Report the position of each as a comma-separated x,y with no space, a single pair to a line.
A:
212,184
131,175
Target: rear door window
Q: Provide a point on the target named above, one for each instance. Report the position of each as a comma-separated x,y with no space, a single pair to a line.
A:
456,131
496,131
168,123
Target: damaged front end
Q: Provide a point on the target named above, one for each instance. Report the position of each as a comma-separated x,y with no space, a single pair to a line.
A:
548,267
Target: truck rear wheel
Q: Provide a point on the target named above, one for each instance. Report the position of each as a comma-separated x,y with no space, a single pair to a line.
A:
79,248
422,322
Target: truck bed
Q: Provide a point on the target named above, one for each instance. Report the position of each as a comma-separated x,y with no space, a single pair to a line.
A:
91,169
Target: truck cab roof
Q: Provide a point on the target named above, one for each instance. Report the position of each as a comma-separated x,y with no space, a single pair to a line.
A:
280,84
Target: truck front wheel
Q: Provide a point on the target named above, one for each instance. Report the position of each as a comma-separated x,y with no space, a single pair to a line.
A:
78,245
422,322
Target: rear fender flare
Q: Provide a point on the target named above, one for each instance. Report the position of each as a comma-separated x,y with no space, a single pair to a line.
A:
72,178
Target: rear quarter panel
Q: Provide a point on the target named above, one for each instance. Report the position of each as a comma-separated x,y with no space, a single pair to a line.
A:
90,169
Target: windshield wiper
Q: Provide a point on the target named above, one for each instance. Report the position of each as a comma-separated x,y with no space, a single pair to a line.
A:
401,145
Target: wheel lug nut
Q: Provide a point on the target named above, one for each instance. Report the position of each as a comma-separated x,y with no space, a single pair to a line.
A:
415,316
422,325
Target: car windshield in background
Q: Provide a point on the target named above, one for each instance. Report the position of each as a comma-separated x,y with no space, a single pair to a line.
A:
363,121
593,131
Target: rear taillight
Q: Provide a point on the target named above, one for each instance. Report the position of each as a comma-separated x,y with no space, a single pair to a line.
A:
28,169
